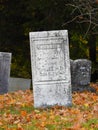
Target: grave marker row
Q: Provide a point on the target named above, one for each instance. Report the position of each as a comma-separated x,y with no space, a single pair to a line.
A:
8,84
50,70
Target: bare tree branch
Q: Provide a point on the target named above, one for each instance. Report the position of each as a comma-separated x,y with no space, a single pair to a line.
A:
84,11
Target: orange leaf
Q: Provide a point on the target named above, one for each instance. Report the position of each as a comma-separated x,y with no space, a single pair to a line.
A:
23,113
28,119
20,127
1,123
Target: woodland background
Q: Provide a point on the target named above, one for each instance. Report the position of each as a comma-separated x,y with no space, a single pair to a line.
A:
18,18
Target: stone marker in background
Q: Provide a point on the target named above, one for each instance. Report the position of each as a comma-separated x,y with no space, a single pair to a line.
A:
50,68
81,74
16,84
5,61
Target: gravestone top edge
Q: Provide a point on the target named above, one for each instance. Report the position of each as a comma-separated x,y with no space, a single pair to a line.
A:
78,60
6,53
48,33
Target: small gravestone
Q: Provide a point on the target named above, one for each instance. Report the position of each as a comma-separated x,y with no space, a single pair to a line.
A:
16,84
5,61
50,68
81,74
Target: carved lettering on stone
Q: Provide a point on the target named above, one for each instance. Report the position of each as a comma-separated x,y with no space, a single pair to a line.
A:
50,68
81,75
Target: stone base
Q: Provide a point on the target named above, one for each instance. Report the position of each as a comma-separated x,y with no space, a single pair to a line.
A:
82,88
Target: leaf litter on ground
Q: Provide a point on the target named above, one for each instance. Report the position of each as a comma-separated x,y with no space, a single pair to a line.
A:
17,112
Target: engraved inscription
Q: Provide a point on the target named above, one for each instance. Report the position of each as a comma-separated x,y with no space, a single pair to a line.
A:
50,68
50,63
81,72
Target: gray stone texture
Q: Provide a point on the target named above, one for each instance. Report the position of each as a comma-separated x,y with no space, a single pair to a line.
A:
81,74
50,68
5,61
16,84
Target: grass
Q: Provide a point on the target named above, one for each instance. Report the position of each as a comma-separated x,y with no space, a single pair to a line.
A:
91,123
16,113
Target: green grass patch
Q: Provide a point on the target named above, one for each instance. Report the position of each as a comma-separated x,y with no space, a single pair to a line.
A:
30,127
68,125
51,126
2,128
91,122
8,126
2,112
59,126
11,110
28,109
14,110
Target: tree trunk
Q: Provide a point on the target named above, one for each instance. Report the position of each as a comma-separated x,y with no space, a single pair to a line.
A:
92,55
92,48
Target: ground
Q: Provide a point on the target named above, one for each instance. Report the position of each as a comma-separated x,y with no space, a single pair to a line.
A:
17,112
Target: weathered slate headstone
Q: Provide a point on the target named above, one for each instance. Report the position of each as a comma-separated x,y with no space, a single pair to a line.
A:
81,74
16,84
50,68
5,61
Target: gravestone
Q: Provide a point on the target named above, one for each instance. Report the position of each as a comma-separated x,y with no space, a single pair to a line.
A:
50,68
81,74
16,84
5,61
